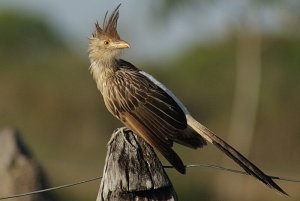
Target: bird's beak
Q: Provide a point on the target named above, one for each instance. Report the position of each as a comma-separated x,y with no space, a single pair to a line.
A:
121,44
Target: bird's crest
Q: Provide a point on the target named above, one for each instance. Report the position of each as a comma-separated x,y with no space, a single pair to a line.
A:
109,27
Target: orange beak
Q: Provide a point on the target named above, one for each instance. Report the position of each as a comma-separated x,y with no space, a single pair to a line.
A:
120,44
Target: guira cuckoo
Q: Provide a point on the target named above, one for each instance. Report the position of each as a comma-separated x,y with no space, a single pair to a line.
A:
147,107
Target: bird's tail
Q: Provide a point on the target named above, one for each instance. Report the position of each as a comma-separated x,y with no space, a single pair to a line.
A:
249,167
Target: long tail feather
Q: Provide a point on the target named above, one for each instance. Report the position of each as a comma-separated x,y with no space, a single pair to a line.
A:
249,167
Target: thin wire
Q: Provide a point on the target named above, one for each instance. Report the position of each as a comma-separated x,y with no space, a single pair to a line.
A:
233,171
216,167
50,189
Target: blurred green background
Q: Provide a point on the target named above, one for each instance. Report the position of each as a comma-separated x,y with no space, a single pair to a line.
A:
239,75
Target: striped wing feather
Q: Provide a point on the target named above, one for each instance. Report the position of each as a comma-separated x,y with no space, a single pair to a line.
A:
148,111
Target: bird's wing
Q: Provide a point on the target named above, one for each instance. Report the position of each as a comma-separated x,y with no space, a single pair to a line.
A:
132,92
148,110
137,124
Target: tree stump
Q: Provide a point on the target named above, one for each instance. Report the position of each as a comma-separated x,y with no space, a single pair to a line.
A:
132,171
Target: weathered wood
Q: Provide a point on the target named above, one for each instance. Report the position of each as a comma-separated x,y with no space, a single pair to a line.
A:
132,171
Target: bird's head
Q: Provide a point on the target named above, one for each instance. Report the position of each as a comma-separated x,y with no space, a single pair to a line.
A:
105,43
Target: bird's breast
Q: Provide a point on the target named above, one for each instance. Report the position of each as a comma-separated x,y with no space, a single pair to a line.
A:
102,75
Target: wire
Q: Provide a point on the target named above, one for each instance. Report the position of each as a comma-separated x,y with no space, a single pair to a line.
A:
212,167
216,167
50,189
234,171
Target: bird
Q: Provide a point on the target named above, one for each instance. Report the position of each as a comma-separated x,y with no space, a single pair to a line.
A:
149,108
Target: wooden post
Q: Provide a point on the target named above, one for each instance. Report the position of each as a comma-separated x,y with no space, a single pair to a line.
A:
132,171
19,171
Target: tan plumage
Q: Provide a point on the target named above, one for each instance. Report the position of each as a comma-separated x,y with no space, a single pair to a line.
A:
147,107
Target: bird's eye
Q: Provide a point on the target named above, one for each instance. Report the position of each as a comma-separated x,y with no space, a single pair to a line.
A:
106,42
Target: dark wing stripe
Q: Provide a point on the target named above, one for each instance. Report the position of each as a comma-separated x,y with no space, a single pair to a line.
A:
158,127
171,106
166,129
152,131
160,112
